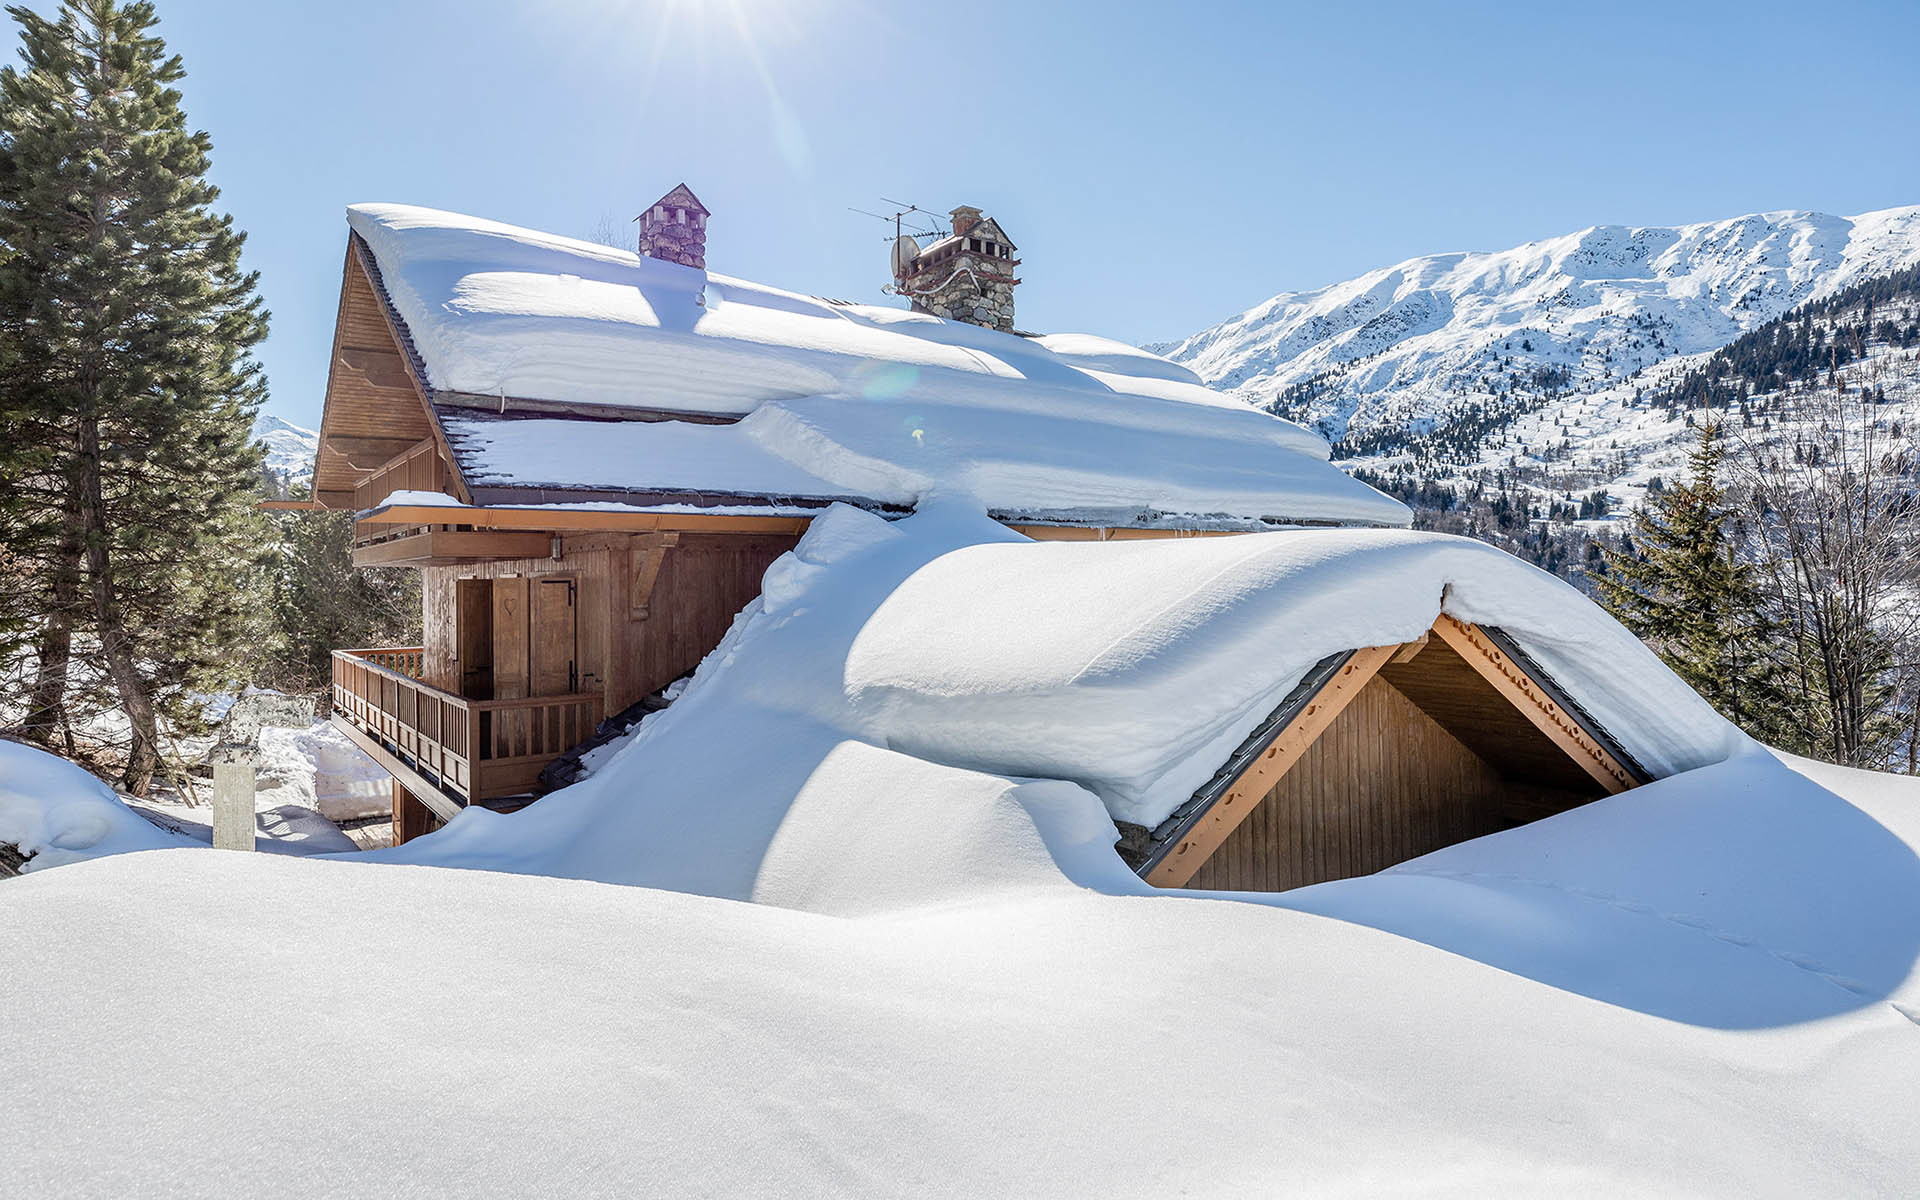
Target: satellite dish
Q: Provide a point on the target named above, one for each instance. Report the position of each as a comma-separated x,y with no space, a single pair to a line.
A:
904,250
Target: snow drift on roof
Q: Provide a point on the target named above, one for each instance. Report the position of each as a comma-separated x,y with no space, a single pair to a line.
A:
1132,669
872,402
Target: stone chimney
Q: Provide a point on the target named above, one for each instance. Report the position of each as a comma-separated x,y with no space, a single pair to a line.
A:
675,229
965,276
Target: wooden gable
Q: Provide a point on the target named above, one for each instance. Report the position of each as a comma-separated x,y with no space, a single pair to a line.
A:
377,409
1382,755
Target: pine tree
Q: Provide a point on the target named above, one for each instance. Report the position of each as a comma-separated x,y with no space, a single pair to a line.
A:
135,381
1678,582
317,600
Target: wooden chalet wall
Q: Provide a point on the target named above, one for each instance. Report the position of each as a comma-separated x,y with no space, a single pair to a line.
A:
628,647
702,580
440,596
1384,783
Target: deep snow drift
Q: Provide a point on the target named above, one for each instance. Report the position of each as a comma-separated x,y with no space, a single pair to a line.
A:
839,400
945,982
1131,669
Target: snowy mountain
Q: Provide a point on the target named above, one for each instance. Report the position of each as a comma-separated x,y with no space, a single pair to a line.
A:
1477,339
290,449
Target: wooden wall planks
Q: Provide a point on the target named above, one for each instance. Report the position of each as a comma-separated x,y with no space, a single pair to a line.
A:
365,398
1385,783
702,581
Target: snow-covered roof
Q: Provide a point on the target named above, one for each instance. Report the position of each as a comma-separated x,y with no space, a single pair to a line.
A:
847,400
1132,669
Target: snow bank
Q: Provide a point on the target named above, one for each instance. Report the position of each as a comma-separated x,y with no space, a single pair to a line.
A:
841,400
319,769
1027,1035
946,982
57,813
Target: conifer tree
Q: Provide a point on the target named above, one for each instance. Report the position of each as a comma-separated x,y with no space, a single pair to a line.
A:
317,600
135,383
1678,582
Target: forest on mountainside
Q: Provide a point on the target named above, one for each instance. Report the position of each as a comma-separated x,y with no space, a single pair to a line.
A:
1779,571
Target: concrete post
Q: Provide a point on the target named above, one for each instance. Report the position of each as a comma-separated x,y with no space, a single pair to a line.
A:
236,762
234,767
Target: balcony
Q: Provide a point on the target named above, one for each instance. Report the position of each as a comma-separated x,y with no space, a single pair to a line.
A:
449,750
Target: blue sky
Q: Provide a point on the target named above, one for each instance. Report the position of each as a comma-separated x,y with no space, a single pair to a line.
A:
1161,166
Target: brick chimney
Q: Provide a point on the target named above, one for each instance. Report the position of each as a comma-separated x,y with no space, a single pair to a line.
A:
965,276
675,228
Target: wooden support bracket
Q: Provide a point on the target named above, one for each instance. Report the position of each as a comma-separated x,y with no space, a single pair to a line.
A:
649,551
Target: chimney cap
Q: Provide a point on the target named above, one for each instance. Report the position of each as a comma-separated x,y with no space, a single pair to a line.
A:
680,197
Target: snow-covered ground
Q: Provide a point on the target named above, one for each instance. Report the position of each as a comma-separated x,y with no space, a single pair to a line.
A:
836,927
308,781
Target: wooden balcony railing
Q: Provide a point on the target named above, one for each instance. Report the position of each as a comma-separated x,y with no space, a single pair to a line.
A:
403,659
470,750
419,469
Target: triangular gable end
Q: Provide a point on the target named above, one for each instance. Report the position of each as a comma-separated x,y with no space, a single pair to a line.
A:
989,229
377,410
681,197
1384,754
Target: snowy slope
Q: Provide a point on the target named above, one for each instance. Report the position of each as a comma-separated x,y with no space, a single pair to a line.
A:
290,449
844,968
1407,345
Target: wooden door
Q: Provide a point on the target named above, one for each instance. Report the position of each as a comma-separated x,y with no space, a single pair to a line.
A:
509,638
555,638
473,617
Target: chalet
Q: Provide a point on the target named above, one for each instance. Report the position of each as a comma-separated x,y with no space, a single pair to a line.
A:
593,456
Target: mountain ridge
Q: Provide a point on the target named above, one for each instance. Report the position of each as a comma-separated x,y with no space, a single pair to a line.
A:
1408,346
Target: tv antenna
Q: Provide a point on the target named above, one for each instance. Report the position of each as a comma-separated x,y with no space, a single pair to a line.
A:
902,227
907,219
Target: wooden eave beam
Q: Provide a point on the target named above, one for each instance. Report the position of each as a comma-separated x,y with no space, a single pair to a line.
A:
1198,843
333,364
1111,533
1533,700
442,547
649,551
565,520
